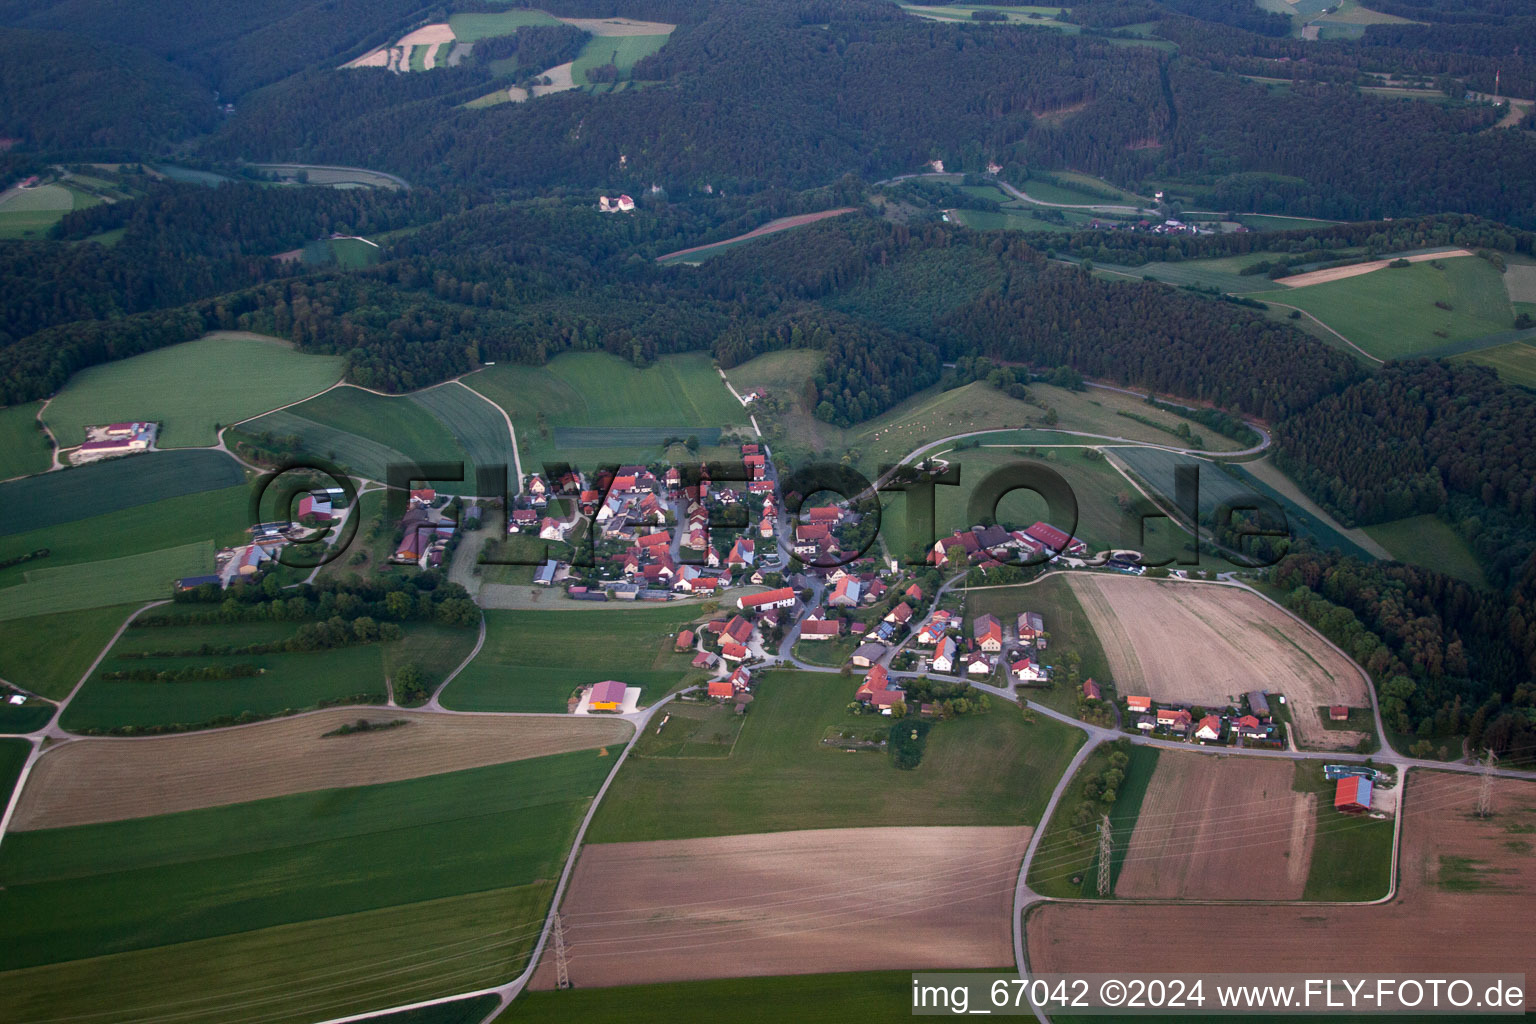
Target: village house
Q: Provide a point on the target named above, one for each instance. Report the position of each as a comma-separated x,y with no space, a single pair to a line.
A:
821,629
783,597
868,654
1025,670
684,640
988,633
1352,795
1176,719
935,628
845,594
1209,728
900,615
1258,703
944,655
1146,723
1030,626
1138,705
977,664
1250,728
877,689
1091,690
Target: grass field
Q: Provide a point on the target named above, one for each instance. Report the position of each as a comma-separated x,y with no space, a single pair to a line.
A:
29,213
532,661
1264,222
1514,362
462,1011
1065,864
352,253
621,51
993,769
238,375
13,755
805,998
289,681
76,892
24,447
431,949
67,588
1430,541
49,653
1392,312
1011,219
1351,854
469,28
71,495
477,424
1222,273
692,730
16,718
680,393
366,432
1048,192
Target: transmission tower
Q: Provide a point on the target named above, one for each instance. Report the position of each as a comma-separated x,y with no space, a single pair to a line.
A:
1485,791
1106,848
562,969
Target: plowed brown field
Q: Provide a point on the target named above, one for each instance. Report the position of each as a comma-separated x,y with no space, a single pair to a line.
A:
790,903
1465,892
1195,643
95,780
1224,828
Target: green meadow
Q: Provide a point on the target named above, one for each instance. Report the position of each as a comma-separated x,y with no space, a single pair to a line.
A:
1396,312
1066,624
29,213
1514,362
679,394
621,51
238,375
992,769
288,681
13,756
142,577
469,28
533,660
90,890
1351,853
24,447
1430,541
1070,851
477,424
47,654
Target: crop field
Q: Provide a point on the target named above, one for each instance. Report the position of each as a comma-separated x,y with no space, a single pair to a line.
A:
433,948
1221,272
321,854
804,998
50,499
1514,362
142,577
1196,643
532,661
352,253
47,654
460,1011
1220,828
19,718
366,432
1012,219
29,213
288,681
13,755
1430,541
24,447
992,769
477,424
469,28
1461,877
1394,312
92,781
238,374
680,394
1265,222
636,914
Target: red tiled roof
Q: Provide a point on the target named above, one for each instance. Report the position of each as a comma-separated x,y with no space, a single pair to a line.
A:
768,597
828,627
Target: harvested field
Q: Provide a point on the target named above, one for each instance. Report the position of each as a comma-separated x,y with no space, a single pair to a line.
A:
427,35
560,79
97,780
1226,828
782,224
1465,889
1192,643
789,903
1520,282
1356,269
620,26
378,58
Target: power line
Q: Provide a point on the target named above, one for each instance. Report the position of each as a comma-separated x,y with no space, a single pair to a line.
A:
1485,789
562,969
1106,848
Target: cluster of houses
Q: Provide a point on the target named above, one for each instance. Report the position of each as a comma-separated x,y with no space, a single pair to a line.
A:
425,531
1254,725
816,537
620,204
990,545
1147,226
531,510
114,439
988,646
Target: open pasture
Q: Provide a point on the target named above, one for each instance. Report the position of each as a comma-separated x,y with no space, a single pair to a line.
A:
1220,828
680,394
47,654
30,212
1221,272
622,51
98,780
24,448
992,769
287,681
68,496
786,902
1514,362
1430,541
1397,312
470,28
476,423
238,375
366,432
532,661
1065,863
77,892
1464,885
67,588
1204,644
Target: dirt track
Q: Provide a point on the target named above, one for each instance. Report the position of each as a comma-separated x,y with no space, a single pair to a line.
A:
782,224
1220,828
95,780
790,903
1477,923
1192,643
1356,269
